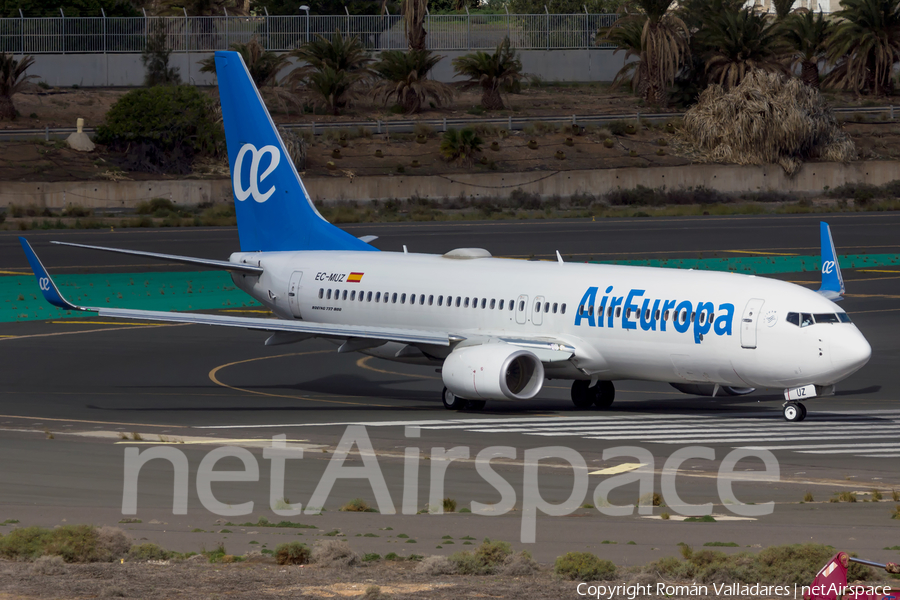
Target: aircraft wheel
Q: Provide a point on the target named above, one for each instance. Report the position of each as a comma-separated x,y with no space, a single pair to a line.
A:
582,396
475,404
793,412
604,394
802,411
452,401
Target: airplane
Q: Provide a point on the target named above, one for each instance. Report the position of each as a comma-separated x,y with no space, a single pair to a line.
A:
497,328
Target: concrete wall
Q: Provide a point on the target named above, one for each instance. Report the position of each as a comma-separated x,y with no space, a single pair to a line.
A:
104,70
812,178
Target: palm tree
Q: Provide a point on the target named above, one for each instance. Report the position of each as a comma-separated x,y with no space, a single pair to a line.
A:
738,42
782,8
664,47
806,35
491,72
461,145
12,80
262,64
405,77
865,45
332,70
414,18
626,34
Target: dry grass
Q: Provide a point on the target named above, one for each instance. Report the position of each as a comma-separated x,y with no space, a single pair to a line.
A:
808,497
335,553
766,119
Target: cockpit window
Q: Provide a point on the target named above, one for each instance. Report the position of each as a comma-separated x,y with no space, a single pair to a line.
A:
826,318
794,318
806,320
844,317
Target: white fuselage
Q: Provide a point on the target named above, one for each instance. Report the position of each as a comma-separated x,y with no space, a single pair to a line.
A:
657,324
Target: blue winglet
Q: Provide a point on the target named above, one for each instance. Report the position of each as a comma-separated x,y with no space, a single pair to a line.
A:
48,287
832,280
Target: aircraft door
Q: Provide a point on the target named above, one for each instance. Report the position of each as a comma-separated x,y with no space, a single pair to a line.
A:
749,321
537,317
294,293
522,309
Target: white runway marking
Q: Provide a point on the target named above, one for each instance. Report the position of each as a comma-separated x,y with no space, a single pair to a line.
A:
853,431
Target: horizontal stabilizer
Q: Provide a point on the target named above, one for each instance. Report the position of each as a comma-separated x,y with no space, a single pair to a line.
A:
188,260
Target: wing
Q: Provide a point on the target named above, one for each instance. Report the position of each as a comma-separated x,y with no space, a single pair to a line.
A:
188,260
410,336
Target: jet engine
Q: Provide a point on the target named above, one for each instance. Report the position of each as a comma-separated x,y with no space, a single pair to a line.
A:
706,389
493,372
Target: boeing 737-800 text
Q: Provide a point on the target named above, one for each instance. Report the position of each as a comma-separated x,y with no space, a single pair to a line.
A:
498,328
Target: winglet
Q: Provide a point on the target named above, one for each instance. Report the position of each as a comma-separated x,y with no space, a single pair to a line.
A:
832,280
48,287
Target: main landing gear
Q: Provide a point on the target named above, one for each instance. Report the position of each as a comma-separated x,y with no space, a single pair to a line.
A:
454,402
601,395
794,411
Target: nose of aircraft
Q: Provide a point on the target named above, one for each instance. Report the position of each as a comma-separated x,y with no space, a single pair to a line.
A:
849,351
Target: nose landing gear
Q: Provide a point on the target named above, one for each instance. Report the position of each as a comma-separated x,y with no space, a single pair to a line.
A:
794,411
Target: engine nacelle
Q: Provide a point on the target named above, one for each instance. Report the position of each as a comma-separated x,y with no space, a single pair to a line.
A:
493,372
706,389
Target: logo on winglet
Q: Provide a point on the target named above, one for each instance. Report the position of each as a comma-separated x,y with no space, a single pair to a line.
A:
242,193
44,282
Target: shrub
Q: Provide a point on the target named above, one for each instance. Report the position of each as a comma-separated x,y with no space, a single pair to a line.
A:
357,505
808,497
486,559
292,553
434,566
49,565
584,566
160,207
73,543
142,552
371,556
519,565
155,58
460,145
335,553
449,505
896,513
162,128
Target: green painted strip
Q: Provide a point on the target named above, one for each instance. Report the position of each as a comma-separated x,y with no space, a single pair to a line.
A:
21,300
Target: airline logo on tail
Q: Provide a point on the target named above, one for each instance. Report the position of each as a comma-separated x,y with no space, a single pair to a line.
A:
242,193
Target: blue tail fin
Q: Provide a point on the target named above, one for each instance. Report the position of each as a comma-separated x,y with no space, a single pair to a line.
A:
832,280
274,211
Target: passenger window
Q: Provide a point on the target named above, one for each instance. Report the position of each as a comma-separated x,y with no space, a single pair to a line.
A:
627,313
537,307
321,292
458,301
345,295
806,320
693,317
431,300
440,300
562,309
793,318
369,297
656,316
555,306
483,302
666,316
353,295
609,313
844,317
386,297
337,294
521,305
647,315
826,318
378,297
493,303
402,298
422,300
394,298
501,305
619,311
546,307
590,311
702,318
328,296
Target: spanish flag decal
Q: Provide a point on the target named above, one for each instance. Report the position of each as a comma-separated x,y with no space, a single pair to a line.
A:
354,277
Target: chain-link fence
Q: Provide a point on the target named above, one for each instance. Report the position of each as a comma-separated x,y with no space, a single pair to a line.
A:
60,35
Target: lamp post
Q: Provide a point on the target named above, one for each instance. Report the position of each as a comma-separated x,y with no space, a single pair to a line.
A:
305,9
